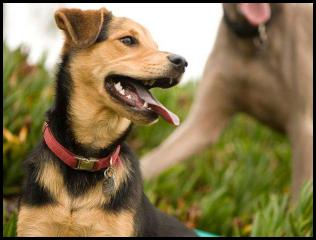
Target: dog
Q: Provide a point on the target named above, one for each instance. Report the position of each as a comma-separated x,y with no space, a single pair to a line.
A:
82,179
261,64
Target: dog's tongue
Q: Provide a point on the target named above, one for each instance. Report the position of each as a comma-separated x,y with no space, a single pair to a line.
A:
256,13
155,105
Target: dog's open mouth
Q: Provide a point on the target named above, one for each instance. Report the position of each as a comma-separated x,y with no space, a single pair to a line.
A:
255,13
136,95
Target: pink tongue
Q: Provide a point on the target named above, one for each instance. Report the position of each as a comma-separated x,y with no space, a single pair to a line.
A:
256,13
156,106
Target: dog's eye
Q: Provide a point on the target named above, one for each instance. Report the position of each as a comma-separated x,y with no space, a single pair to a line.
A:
128,40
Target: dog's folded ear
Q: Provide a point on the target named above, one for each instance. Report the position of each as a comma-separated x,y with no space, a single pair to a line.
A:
82,27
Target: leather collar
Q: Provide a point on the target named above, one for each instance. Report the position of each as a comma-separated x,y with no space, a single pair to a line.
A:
79,162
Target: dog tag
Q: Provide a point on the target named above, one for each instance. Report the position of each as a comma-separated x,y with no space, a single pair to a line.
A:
261,41
108,183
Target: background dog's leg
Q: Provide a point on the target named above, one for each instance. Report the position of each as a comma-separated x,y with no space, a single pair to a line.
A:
301,136
208,116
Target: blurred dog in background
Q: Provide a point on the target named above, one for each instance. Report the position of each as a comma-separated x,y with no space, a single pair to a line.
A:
261,64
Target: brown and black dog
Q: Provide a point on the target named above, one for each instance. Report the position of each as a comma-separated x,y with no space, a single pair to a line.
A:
108,66
262,65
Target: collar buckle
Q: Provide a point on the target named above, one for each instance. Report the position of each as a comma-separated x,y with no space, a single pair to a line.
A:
85,163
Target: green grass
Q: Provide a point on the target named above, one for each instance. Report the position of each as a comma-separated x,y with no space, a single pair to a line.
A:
239,187
27,94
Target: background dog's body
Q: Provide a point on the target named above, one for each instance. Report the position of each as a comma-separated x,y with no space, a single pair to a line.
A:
272,82
91,118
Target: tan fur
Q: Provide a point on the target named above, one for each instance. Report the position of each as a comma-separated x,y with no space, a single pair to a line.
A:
274,85
93,123
81,216
55,220
80,27
51,179
96,121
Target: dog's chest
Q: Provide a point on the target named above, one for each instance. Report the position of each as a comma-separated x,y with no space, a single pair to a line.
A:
93,222
74,216
84,216
60,221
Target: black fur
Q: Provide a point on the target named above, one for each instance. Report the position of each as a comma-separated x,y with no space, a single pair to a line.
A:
104,33
130,195
59,119
76,182
243,29
33,193
154,223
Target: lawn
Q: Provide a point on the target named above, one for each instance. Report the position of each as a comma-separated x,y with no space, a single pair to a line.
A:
238,187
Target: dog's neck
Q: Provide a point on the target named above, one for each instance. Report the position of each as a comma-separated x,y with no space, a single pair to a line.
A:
94,125
84,132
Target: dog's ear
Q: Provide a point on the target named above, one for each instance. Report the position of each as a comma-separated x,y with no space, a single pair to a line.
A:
82,28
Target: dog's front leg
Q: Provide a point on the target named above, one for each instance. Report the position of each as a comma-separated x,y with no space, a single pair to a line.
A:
300,132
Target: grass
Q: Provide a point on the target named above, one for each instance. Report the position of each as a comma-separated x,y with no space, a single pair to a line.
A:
239,187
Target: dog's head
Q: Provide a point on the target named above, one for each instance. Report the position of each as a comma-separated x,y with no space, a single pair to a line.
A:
245,18
116,61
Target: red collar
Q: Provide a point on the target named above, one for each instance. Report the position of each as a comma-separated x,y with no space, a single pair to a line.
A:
77,162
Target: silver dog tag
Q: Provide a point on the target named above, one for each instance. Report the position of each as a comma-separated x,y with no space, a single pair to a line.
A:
261,41
108,183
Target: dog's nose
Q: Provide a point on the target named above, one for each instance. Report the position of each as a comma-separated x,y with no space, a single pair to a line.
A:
177,60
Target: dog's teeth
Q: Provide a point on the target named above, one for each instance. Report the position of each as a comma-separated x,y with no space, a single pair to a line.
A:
149,108
122,92
129,96
118,86
171,80
152,82
145,105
